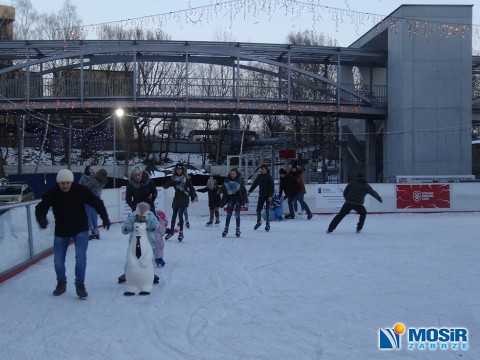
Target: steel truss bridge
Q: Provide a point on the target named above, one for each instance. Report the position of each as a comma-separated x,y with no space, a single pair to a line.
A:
97,76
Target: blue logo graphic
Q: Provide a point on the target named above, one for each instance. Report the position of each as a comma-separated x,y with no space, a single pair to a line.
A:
388,339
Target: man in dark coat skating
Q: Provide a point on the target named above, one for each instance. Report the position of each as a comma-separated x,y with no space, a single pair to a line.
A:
354,194
266,187
67,200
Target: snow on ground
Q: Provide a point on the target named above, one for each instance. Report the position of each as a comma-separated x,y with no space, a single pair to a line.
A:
292,293
32,156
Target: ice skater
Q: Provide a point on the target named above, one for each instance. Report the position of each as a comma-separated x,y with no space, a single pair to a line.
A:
234,195
266,187
214,200
354,194
184,192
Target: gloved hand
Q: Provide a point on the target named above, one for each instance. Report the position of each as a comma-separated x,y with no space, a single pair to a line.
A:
151,228
43,223
150,197
106,223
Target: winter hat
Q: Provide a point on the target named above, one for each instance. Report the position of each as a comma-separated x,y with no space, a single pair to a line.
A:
282,171
294,165
142,208
211,182
64,175
101,176
179,166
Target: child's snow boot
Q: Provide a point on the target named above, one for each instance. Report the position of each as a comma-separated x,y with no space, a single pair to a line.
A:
160,262
225,231
238,232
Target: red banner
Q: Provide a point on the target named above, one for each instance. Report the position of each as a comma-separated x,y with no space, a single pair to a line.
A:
423,196
287,154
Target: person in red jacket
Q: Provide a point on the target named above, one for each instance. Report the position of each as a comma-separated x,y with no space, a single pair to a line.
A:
67,200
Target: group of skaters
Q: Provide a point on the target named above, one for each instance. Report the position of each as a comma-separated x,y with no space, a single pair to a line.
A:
76,208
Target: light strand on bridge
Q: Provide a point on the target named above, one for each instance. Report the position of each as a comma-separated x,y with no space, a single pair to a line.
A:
235,10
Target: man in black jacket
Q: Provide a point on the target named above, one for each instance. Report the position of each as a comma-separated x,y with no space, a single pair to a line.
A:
354,194
266,187
67,200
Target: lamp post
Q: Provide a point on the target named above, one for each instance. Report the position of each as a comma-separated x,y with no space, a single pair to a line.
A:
119,113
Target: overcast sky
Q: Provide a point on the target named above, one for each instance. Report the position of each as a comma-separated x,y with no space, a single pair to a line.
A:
267,26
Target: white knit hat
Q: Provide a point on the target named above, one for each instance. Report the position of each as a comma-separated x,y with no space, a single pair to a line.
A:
64,175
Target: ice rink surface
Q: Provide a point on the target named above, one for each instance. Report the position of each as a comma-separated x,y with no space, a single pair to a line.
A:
291,293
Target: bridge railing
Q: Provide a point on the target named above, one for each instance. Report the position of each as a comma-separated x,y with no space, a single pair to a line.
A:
72,88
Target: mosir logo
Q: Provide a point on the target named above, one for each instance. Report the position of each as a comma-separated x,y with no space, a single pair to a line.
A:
432,338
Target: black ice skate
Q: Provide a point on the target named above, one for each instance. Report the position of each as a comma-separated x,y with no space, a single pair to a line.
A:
81,291
169,234
60,289
225,231
267,227
237,232
217,221
209,223
180,236
257,225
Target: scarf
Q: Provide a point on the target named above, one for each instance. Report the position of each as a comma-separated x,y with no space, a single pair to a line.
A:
232,186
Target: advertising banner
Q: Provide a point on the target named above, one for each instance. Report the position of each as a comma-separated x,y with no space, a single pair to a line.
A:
402,179
423,196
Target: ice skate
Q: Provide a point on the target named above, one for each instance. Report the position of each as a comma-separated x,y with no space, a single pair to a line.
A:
160,262
180,236
257,225
60,289
267,227
209,223
225,231
81,291
169,234
238,232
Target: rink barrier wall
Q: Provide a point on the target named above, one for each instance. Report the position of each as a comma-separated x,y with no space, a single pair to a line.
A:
23,243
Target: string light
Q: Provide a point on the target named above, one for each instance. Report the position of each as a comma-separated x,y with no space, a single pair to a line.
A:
235,10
